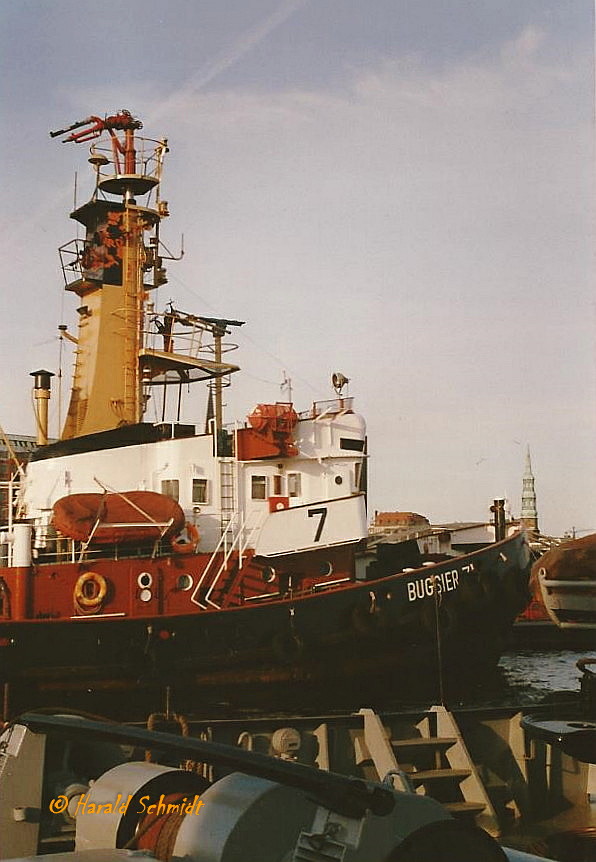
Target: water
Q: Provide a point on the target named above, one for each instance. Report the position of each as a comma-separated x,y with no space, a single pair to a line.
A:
527,678
530,676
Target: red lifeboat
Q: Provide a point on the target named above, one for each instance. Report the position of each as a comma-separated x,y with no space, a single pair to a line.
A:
269,432
131,516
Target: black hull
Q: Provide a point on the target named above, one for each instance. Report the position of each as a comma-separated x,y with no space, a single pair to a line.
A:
374,640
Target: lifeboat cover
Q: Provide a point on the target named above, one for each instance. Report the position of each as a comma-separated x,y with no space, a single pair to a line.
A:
130,516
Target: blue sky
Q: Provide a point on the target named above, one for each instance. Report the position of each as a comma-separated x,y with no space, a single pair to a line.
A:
398,190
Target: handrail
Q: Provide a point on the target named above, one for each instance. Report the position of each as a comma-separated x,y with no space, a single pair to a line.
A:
237,540
208,566
243,530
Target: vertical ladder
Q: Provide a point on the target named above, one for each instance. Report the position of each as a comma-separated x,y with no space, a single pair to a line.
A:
226,491
435,763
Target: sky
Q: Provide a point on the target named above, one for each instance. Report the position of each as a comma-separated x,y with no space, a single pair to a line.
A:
400,190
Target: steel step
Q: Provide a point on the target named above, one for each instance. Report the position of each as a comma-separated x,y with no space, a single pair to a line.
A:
424,775
419,742
456,808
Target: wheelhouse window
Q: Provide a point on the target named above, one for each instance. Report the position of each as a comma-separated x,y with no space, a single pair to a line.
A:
277,485
258,487
350,443
171,488
200,491
294,485
357,476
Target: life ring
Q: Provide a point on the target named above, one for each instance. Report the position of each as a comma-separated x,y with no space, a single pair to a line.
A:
91,599
182,546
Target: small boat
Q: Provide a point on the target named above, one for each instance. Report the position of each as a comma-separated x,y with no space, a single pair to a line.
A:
216,554
567,578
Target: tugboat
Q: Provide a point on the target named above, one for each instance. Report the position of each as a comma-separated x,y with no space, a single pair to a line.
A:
151,553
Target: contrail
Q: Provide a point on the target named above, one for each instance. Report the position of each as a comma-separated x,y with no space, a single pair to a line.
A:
226,59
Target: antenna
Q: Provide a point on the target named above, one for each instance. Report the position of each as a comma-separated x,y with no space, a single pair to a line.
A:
286,384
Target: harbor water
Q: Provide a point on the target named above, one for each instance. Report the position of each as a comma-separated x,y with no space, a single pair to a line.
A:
523,680
529,678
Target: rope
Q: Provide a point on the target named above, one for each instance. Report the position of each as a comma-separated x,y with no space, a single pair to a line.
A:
108,490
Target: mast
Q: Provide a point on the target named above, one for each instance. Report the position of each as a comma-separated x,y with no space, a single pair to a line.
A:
124,347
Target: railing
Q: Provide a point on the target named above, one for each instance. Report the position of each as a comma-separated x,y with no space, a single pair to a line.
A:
239,539
149,157
330,407
61,549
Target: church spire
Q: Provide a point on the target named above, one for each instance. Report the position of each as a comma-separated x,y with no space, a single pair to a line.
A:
529,513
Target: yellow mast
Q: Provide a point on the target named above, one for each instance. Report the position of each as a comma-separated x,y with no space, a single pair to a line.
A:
132,290
116,355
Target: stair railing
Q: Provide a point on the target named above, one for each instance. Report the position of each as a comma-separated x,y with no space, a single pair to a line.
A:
230,541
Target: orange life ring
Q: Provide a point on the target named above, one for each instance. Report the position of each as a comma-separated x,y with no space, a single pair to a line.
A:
180,546
87,599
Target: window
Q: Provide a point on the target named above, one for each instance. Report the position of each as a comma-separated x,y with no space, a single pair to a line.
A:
294,485
277,485
171,488
259,487
349,443
200,491
357,476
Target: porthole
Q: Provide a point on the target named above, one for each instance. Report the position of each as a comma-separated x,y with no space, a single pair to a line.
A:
145,595
326,569
268,574
145,580
184,582
338,480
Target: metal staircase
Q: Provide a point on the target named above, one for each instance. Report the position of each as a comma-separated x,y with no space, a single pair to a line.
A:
435,763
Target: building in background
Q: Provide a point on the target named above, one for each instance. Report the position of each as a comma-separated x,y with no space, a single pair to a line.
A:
529,511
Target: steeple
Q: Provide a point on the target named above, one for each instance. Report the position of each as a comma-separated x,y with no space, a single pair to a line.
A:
529,513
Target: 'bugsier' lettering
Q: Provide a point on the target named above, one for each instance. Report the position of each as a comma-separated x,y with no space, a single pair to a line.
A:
445,582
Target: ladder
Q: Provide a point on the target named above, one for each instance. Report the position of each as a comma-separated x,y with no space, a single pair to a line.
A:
435,763
227,475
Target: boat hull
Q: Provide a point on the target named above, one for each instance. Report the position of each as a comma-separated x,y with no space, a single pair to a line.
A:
567,579
416,629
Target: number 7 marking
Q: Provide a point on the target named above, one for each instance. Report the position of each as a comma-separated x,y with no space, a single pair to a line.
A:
323,514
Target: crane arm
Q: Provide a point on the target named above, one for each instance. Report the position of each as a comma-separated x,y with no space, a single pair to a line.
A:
122,121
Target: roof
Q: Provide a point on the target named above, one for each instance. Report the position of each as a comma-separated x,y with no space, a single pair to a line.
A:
399,519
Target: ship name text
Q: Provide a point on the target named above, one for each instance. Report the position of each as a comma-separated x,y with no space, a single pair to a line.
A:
444,582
